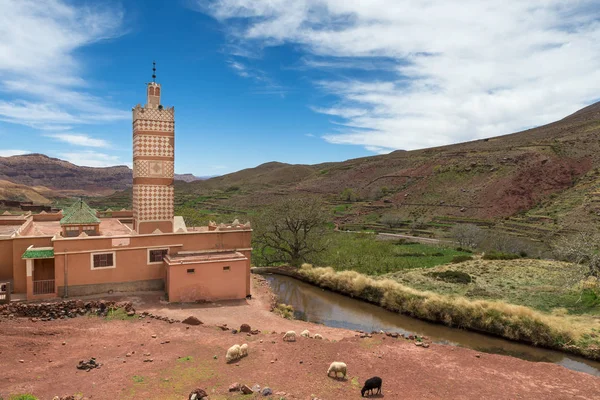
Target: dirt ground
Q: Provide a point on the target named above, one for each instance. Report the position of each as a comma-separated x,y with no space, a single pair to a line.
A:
41,358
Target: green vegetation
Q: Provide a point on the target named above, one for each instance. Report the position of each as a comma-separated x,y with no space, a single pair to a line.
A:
284,310
366,254
461,258
118,314
573,334
451,276
23,397
138,379
185,359
547,286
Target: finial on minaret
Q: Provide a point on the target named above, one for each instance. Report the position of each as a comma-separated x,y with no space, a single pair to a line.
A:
153,71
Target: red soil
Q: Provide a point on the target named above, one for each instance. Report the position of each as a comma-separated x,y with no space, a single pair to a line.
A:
299,369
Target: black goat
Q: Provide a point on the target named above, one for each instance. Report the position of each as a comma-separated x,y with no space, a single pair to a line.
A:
371,384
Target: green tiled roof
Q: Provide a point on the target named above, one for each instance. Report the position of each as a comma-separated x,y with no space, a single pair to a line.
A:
38,253
79,214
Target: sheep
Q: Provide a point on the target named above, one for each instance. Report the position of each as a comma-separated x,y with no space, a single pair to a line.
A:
318,336
233,353
290,336
244,350
370,385
337,367
305,333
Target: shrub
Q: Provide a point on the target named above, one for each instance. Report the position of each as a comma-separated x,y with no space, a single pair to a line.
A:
23,397
460,258
451,276
494,255
284,311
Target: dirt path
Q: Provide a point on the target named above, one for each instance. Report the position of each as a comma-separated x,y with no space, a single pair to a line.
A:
298,369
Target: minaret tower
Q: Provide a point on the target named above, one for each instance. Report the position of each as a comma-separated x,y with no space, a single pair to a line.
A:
153,163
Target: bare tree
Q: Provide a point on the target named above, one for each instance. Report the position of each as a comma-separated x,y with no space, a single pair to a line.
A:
583,248
290,231
392,220
467,235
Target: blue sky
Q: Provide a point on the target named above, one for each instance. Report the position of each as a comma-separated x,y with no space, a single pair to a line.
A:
297,81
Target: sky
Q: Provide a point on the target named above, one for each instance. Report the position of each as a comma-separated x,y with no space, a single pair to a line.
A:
296,81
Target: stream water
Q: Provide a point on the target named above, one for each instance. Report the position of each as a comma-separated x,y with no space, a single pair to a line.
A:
320,306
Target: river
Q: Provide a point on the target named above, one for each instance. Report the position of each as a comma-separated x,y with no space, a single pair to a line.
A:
321,306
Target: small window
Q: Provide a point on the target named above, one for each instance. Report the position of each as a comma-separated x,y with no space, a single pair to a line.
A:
103,260
191,270
72,231
157,255
226,268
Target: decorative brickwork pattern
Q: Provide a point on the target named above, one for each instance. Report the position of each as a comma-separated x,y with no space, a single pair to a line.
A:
152,146
166,114
153,203
159,126
153,169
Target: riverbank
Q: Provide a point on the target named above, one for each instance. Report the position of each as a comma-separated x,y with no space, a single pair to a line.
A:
565,333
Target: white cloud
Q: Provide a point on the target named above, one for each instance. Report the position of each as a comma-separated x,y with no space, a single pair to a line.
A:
40,76
453,72
9,153
79,140
91,159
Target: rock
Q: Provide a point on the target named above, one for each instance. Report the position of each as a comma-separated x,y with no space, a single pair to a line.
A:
246,389
148,360
426,345
256,388
245,328
394,334
235,387
130,313
267,391
21,361
153,336
234,331
197,394
418,343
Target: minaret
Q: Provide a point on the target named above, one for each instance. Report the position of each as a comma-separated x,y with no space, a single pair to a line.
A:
153,163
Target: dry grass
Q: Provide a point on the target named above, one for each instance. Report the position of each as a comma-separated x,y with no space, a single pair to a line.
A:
578,335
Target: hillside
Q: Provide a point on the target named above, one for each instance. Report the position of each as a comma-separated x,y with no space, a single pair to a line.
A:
552,169
41,170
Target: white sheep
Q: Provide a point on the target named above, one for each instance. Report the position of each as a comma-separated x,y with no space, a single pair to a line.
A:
243,350
318,336
337,367
290,336
233,353
305,333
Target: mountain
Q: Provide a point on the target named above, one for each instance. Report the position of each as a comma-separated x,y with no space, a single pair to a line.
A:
62,176
187,177
66,178
550,173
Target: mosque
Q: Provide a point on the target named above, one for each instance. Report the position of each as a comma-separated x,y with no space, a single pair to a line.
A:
80,251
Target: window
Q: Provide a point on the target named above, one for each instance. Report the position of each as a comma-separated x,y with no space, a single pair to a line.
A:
191,270
103,260
226,268
156,256
72,231
89,230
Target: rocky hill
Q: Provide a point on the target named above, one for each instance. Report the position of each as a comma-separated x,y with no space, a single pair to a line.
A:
40,170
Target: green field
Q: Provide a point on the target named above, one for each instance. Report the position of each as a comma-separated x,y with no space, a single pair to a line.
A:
366,254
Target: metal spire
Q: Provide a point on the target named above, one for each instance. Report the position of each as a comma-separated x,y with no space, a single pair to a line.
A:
153,72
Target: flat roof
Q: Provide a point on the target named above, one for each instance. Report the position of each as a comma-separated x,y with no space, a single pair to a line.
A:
7,230
202,258
108,226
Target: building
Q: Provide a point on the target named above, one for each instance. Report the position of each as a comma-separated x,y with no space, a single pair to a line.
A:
79,251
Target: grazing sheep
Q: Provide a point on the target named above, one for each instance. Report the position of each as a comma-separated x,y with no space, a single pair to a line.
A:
290,336
233,353
337,367
305,333
370,385
318,336
243,350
